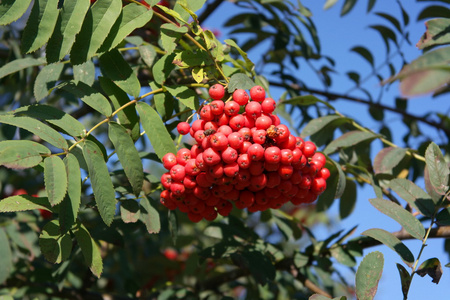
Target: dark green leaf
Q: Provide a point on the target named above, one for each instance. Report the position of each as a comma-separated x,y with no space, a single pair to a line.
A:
348,200
69,23
6,259
21,154
149,216
46,80
10,11
23,203
432,267
20,64
370,5
405,279
128,117
90,249
185,95
260,266
401,215
84,72
240,81
54,116
443,217
36,127
288,228
438,33
365,53
102,186
89,95
368,275
148,54
386,34
414,195
40,25
437,168
348,139
128,156
387,159
318,124
96,26
162,68
173,226
114,67
133,16
55,245
188,59
55,178
155,130
129,211
391,19
434,11
348,5
392,242
69,206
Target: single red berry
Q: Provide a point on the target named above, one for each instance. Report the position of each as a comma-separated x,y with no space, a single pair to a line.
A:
253,109
210,127
229,155
237,122
217,91
194,217
306,181
199,135
263,122
198,207
206,113
243,161
285,171
177,188
216,171
285,186
309,149
268,105
189,182
244,147
275,120
324,173
271,167
209,213
224,208
170,254
219,141
231,108
256,168
225,129
259,136
45,214
249,121
287,156
235,140
183,155
191,167
231,169
255,152
211,157
272,155
318,185
166,180
198,125
169,160
257,93
196,150
183,128
246,133
240,96
289,143
222,119
259,181
273,179
217,107
244,175
282,133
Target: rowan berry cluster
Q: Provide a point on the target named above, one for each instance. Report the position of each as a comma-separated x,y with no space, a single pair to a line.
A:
242,156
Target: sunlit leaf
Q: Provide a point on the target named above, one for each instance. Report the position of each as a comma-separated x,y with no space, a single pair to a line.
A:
149,216
89,95
240,81
23,203
368,275
84,72
46,80
20,64
249,63
185,95
21,154
162,68
414,195
170,33
148,54
55,178
438,33
348,139
10,11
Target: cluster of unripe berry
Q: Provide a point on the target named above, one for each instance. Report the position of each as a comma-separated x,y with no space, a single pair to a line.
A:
242,156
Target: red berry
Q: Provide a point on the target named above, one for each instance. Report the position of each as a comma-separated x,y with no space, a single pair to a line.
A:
231,169
206,113
255,152
253,109
237,122
170,254
183,155
257,93
318,185
235,140
309,149
282,133
225,129
194,217
217,91
268,105
259,136
191,167
183,128
285,171
219,141
217,107
272,155
246,133
166,180
231,108
240,96
324,173
169,160
198,125
287,157
229,155
256,168
211,157
263,122
243,161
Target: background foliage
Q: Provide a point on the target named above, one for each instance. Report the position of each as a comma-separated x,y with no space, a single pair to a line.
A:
80,83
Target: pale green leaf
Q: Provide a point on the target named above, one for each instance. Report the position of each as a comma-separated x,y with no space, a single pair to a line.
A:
148,54
46,80
40,25
102,186
438,33
162,68
10,11
249,64
6,259
185,95
240,81
437,168
23,203
414,195
130,211
84,72
348,139
368,275
20,64
55,179
21,154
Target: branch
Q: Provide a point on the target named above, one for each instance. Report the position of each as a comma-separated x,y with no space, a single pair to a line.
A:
209,10
333,96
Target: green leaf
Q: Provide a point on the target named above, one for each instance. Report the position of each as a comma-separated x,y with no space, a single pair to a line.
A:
63,121
185,95
96,26
56,246
188,59
387,159
21,154
132,16
55,178
129,211
349,139
84,72
434,11
102,186
148,54
155,130
36,127
162,68
438,33
348,200
114,67
437,168
343,256
443,217
287,228
90,249
23,203
317,124
20,64
69,206
401,215
174,14
429,187
40,25
414,195
89,95
348,5
164,102
128,156
10,11
198,74
170,34
259,264
149,216
368,275
432,267
405,279
248,63
173,226
305,100
69,24
46,80
6,259
392,242
240,81
320,297
365,53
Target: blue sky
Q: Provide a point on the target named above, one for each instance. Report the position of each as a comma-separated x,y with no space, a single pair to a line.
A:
338,35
